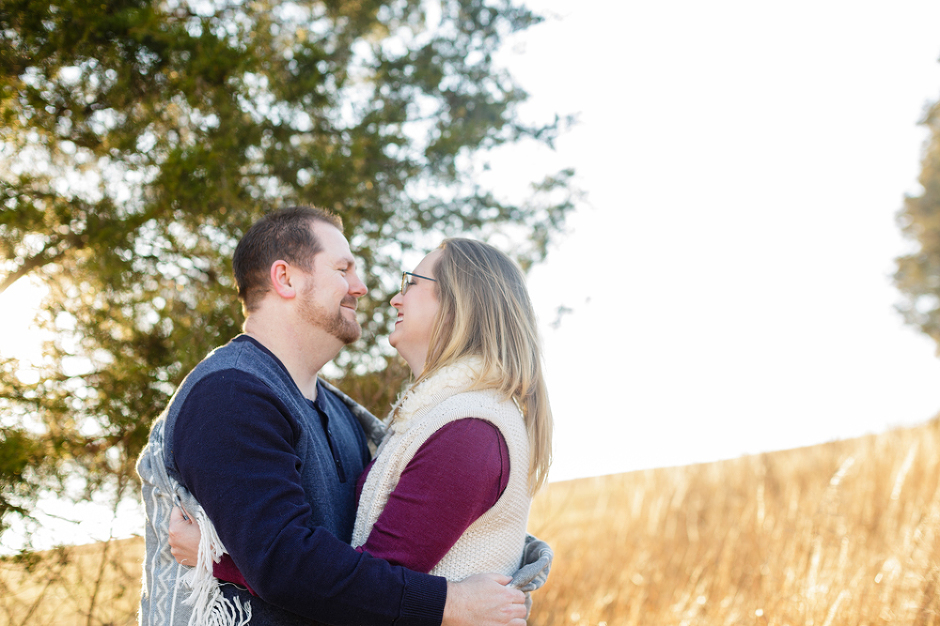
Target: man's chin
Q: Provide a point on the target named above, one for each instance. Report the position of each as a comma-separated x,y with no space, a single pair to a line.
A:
349,335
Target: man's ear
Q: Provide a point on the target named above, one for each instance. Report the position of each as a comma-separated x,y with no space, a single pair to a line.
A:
282,279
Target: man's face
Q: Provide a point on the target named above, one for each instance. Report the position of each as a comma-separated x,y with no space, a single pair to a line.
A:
329,299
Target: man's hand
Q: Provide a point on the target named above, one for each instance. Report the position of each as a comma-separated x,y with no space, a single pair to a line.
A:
184,538
484,600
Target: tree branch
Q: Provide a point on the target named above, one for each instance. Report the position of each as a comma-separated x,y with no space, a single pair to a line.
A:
38,260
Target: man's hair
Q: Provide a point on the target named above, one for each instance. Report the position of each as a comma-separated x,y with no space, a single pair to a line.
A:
284,234
485,310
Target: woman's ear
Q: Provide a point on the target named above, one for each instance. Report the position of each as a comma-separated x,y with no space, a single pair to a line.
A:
282,279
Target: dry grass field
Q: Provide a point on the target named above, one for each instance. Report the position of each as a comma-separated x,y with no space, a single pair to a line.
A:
90,585
842,534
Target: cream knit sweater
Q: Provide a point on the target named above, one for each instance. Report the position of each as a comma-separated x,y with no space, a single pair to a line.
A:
495,541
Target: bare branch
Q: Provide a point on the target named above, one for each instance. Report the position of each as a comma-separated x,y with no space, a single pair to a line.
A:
49,254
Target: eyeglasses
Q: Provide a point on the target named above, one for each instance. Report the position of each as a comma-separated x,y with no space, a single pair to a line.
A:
405,283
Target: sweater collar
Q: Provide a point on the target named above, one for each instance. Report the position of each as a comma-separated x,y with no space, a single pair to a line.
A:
446,382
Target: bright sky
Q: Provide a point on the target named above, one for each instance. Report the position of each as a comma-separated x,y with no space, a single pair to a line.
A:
730,273
730,278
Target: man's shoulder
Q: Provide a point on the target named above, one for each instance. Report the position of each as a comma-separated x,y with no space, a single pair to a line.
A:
241,354
231,378
233,401
238,349
223,379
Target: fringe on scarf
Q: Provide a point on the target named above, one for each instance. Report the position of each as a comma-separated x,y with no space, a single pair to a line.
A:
210,607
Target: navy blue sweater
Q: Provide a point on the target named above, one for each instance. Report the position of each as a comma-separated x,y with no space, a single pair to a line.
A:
277,473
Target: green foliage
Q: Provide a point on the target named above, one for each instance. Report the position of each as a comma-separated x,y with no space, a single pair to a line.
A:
918,273
140,138
18,453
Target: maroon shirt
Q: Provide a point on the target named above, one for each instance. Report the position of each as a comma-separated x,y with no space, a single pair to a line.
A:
457,475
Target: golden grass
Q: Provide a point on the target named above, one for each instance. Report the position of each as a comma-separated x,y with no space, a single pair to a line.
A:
842,534
91,585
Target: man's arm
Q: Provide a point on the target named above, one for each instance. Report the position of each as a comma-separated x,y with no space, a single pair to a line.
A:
484,599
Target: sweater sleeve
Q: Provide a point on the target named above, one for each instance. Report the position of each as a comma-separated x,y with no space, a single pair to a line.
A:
457,475
234,447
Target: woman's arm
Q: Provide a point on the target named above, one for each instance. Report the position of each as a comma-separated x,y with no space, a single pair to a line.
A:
184,546
457,475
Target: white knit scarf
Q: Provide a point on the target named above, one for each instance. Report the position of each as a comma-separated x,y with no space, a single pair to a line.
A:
447,381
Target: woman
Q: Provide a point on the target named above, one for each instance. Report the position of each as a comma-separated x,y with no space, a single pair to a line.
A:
469,441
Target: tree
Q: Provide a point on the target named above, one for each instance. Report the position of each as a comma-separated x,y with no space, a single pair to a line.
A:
140,138
918,273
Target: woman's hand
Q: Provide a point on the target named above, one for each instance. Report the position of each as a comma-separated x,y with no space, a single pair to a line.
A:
184,538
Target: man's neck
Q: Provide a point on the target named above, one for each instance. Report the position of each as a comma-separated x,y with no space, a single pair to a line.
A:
303,353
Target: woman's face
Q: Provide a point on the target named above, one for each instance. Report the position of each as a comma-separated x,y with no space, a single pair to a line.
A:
417,310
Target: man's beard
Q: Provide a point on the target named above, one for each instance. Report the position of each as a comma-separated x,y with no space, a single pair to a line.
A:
335,323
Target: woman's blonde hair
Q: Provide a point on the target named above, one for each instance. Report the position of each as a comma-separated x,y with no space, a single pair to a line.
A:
485,311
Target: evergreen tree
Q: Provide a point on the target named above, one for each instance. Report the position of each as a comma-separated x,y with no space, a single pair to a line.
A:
140,138
918,273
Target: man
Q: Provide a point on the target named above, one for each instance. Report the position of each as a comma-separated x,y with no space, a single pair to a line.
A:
255,443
